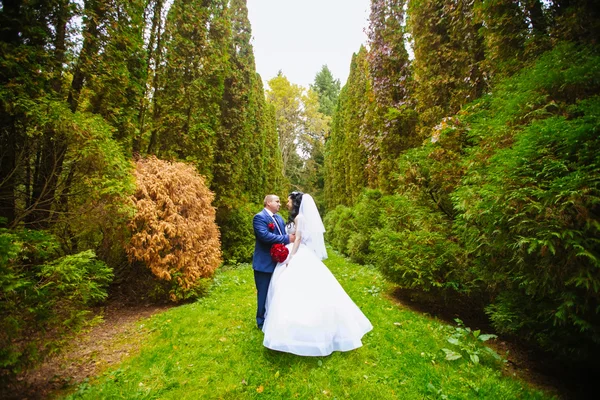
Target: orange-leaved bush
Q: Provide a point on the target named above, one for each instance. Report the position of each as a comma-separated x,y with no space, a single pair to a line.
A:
174,231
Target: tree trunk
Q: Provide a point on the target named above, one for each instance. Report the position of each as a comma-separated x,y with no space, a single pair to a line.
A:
59,44
151,54
45,181
9,34
93,11
7,170
536,15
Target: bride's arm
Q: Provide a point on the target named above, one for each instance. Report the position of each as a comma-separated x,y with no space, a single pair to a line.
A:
296,242
298,238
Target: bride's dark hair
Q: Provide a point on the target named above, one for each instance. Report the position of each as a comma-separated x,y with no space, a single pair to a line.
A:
296,201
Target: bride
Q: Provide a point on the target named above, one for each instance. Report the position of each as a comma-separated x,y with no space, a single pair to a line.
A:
308,312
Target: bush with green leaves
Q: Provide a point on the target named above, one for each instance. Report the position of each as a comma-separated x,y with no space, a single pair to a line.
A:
339,226
237,235
42,291
411,244
502,201
367,219
467,342
415,247
529,202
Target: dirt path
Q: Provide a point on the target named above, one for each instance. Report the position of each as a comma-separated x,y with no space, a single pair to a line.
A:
90,353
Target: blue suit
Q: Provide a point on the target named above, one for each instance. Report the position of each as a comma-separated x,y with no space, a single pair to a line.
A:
262,263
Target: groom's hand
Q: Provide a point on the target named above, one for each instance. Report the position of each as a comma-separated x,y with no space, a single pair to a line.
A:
292,238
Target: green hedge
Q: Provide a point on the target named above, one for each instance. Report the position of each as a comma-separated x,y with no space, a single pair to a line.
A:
504,201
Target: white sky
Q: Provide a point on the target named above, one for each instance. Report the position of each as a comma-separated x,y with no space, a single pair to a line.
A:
300,36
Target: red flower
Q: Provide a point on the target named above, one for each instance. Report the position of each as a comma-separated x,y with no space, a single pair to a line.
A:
279,252
271,226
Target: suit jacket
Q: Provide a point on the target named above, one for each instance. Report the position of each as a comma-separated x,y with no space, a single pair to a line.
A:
265,238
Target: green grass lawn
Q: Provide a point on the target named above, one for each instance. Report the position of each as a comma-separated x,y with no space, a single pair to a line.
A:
212,350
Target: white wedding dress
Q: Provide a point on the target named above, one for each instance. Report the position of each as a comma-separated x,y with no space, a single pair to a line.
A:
308,311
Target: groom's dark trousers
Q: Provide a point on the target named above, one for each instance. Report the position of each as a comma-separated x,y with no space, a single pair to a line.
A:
268,231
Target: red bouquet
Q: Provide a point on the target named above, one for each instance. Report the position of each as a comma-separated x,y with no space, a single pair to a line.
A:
279,252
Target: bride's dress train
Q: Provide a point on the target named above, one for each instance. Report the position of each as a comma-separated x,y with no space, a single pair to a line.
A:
308,311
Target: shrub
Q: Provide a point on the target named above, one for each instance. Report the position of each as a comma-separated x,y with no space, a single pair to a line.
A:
339,225
40,291
237,234
359,247
73,282
415,247
529,202
174,231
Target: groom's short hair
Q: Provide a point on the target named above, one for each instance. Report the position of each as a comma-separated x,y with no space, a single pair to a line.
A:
269,198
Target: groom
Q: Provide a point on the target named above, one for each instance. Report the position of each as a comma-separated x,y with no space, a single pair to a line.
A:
269,228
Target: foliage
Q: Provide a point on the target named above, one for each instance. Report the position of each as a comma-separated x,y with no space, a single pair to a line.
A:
174,231
532,221
237,234
328,89
339,226
504,28
410,244
212,349
448,54
349,146
367,218
286,99
468,342
187,98
500,200
40,292
388,59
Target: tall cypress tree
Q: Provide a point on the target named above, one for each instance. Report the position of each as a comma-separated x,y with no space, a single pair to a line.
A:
505,33
232,151
120,74
393,118
448,57
346,151
328,89
190,88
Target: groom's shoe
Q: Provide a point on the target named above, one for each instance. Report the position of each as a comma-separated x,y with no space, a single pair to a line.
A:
259,327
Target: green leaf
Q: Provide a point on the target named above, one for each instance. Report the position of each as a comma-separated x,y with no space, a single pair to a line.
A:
474,358
486,337
493,353
451,355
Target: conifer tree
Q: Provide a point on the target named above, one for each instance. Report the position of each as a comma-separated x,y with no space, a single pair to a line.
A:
392,125
119,76
448,56
328,89
505,32
575,20
346,151
190,89
236,132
